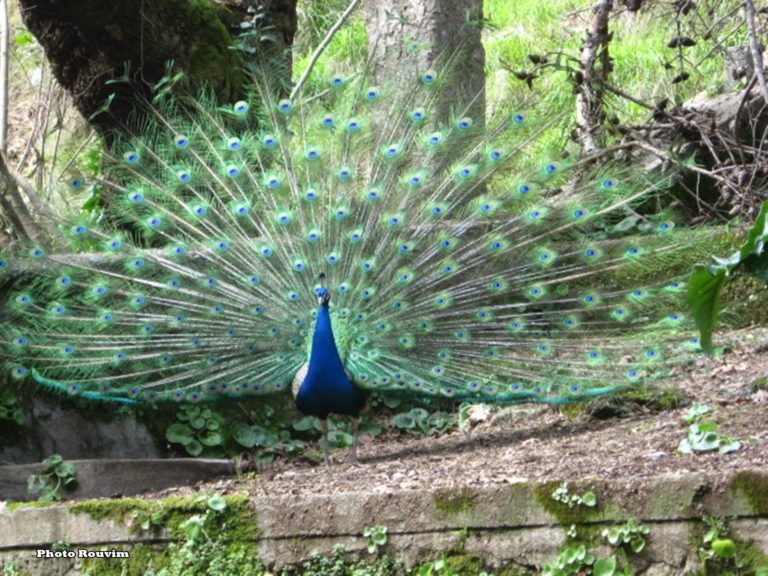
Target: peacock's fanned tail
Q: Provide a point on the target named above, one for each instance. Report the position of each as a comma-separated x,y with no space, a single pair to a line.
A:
455,271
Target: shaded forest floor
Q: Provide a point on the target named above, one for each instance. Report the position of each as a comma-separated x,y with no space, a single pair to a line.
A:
530,443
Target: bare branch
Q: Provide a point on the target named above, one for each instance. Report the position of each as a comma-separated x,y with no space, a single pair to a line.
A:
14,207
323,45
754,47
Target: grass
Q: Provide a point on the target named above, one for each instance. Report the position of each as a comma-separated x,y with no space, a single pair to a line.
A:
639,51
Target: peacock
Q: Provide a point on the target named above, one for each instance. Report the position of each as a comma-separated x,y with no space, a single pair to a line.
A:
355,239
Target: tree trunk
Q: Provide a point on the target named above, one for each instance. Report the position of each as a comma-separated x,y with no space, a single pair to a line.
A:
89,42
408,36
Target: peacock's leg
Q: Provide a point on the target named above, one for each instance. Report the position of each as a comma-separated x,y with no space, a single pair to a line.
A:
355,425
324,424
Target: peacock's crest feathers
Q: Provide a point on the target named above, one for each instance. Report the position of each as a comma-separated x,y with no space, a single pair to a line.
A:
455,270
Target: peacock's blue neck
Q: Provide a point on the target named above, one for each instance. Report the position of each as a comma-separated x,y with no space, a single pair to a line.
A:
324,348
327,388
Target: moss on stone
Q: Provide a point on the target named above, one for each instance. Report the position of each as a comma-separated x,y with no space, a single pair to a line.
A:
144,559
564,515
758,384
753,487
453,501
237,522
513,569
664,498
750,557
114,510
33,504
463,565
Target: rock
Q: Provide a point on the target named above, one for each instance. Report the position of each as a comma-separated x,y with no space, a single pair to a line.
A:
56,429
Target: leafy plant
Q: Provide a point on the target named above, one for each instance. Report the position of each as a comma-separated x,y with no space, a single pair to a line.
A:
10,570
696,412
561,494
571,561
204,549
419,421
274,441
719,553
56,477
605,567
338,565
707,281
377,537
703,436
11,409
200,431
629,534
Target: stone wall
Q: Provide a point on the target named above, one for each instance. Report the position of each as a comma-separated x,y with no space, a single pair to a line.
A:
511,525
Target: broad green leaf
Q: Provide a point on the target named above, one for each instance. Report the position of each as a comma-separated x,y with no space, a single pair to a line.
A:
244,435
211,439
306,423
198,423
403,421
194,448
704,290
729,446
339,439
53,460
217,503
605,567
637,544
370,428
725,549
707,282
179,434
65,469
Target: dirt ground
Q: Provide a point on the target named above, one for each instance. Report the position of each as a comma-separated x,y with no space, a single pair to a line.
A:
544,443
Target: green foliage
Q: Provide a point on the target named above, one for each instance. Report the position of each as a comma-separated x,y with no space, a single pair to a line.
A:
377,537
202,553
56,477
696,412
450,566
703,436
10,570
630,534
719,553
11,409
420,421
561,494
338,565
199,431
707,281
209,433
23,37
209,557
571,561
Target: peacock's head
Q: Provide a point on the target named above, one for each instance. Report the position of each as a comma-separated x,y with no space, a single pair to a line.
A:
323,296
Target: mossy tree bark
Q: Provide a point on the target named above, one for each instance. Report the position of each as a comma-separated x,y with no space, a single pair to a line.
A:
89,42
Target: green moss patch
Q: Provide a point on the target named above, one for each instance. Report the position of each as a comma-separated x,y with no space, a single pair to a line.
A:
236,523
753,487
453,501
33,504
